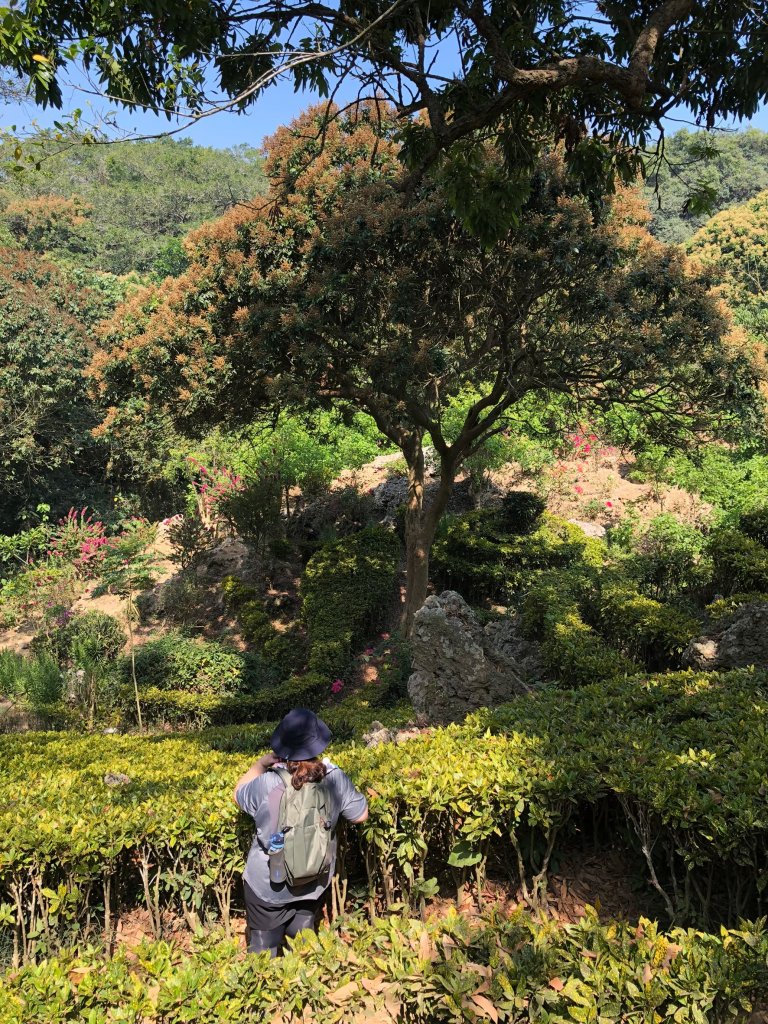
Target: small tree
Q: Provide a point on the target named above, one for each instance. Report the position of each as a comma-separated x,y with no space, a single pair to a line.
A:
128,568
348,292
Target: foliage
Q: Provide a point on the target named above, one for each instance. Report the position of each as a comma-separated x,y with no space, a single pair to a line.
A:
740,563
37,679
81,540
646,630
677,761
489,553
735,242
173,661
346,589
345,291
666,558
97,634
568,74
732,166
733,480
754,524
402,969
40,594
284,649
45,414
125,207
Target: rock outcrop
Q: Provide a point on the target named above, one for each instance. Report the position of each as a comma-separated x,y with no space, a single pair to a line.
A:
458,665
743,641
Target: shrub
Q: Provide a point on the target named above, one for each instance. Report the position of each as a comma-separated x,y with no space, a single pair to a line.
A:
37,680
286,650
755,524
96,634
476,554
401,969
721,611
346,589
644,629
178,662
740,563
521,511
189,538
667,558
199,709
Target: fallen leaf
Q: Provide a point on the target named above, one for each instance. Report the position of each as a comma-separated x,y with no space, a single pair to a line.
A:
341,995
647,974
557,984
373,985
484,1004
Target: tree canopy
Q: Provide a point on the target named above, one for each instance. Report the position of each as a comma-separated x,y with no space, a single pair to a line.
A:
735,245
601,77
341,289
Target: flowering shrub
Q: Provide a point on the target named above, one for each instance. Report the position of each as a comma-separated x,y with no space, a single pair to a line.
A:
79,539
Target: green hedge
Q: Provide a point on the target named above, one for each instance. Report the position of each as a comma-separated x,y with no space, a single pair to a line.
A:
678,761
402,971
174,661
478,554
645,630
347,588
185,708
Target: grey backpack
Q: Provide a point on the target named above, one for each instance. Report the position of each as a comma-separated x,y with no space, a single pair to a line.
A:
304,818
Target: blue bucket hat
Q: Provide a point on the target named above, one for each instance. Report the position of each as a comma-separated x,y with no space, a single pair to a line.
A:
300,736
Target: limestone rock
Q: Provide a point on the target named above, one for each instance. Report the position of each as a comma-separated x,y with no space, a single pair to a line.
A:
457,667
590,529
229,558
743,642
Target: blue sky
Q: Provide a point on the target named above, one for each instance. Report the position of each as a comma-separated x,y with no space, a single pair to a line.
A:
279,105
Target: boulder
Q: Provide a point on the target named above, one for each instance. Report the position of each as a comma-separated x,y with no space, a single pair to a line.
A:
457,666
743,642
229,558
590,529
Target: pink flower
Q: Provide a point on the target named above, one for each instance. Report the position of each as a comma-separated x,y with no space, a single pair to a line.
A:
337,686
384,636
593,437
587,448
578,489
609,504
369,650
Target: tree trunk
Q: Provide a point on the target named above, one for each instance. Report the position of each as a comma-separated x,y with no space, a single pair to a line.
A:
420,527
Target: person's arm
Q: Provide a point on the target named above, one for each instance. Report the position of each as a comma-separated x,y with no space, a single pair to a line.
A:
359,821
258,768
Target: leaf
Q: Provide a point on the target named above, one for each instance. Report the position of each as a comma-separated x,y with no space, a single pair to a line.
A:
486,1006
463,856
557,984
341,995
425,946
373,985
647,974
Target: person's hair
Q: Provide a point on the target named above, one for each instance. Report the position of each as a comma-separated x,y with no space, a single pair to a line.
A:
306,771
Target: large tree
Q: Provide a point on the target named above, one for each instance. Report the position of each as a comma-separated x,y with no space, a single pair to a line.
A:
602,76
343,291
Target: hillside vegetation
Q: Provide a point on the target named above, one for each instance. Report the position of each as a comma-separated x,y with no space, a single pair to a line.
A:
234,469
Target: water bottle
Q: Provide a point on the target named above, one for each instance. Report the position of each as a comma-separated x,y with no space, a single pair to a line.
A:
276,853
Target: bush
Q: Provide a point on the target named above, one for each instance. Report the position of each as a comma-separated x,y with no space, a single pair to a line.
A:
37,680
740,563
400,969
199,709
476,554
99,635
667,558
755,524
644,629
178,662
720,612
286,649
521,511
346,589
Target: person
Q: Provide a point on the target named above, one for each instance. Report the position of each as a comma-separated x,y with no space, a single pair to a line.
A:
276,910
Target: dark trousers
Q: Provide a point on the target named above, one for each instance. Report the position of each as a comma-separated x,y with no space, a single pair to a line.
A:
269,926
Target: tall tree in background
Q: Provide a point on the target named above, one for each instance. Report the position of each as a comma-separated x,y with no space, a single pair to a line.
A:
601,76
722,169
344,290
734,245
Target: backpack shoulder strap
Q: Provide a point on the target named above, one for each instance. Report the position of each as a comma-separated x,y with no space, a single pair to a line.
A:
276,797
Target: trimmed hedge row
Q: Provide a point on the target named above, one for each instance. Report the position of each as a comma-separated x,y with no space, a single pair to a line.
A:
396,971
680,761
